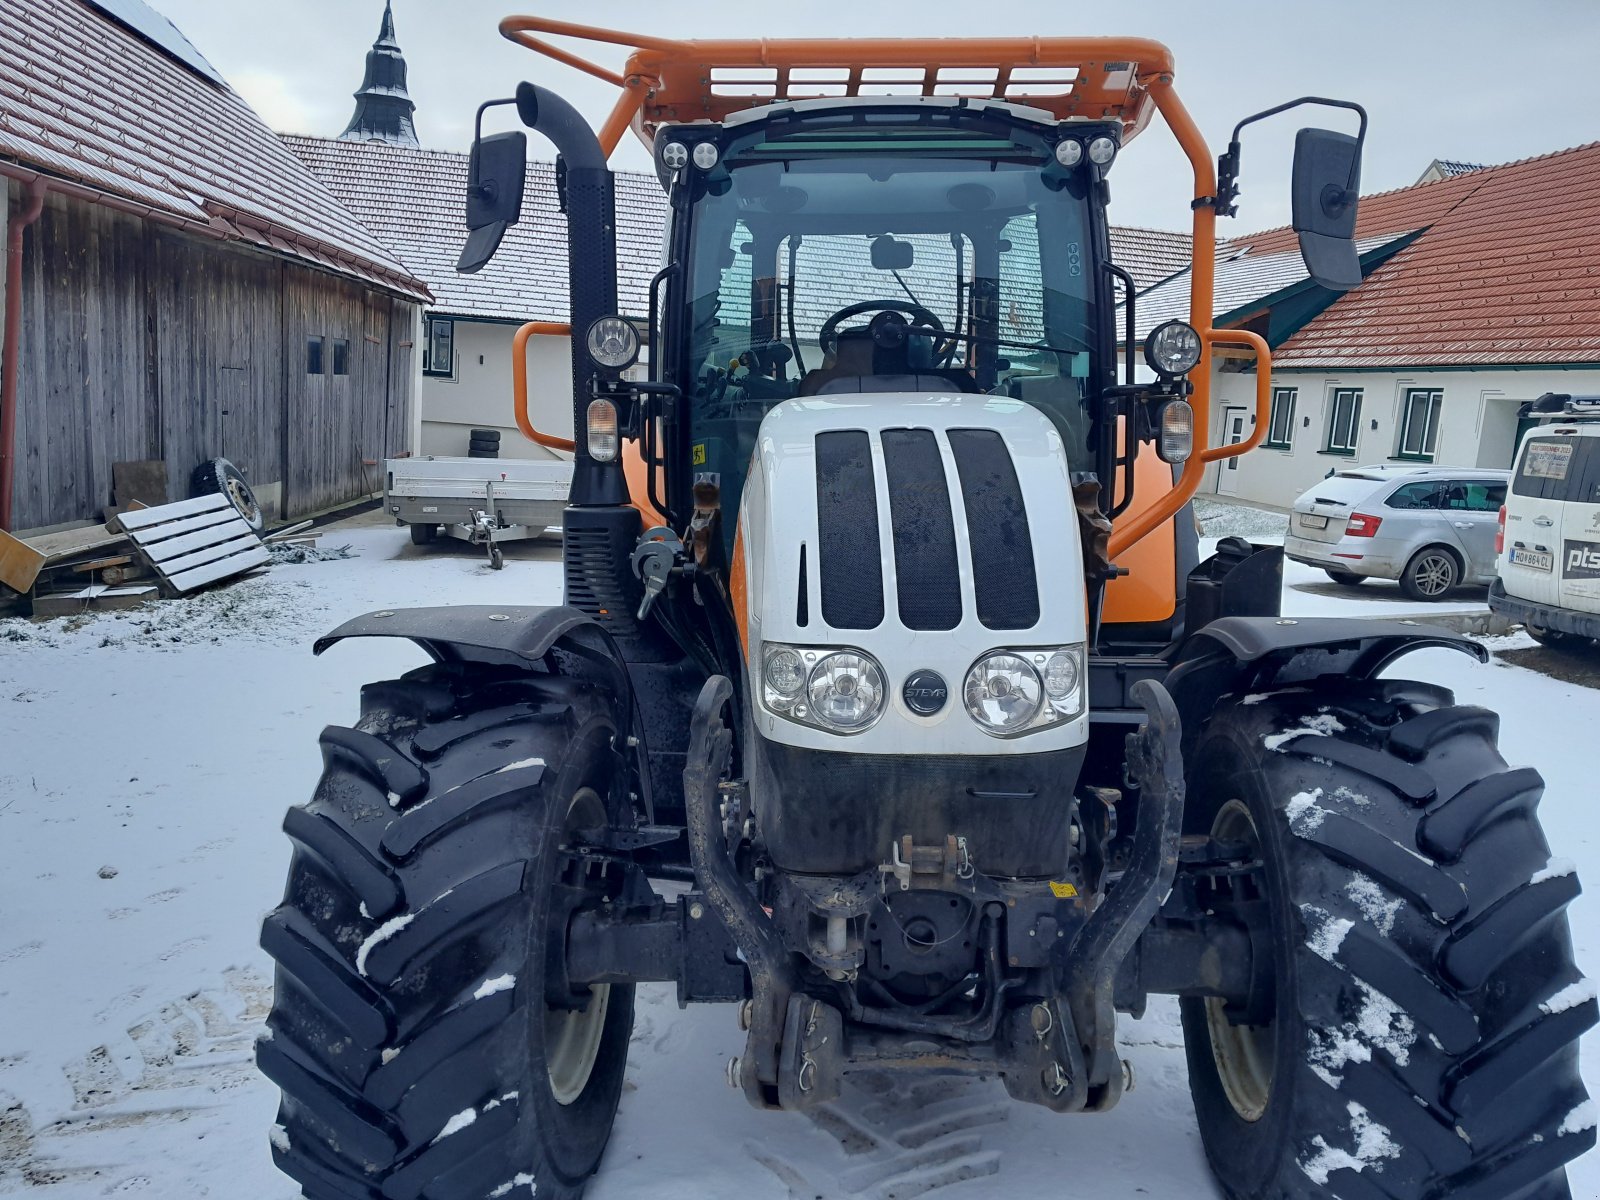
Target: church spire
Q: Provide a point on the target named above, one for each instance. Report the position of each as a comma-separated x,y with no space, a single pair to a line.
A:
383,108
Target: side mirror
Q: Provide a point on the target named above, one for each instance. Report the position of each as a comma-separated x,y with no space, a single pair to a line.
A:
495,175
1326,187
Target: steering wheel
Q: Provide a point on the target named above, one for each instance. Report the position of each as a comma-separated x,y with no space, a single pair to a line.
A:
828,335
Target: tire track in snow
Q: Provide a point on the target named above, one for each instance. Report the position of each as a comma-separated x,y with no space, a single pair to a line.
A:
897,1139
169,1067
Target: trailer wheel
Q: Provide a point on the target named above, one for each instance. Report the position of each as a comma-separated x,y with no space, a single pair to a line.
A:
424,535
421,1043
1419,1034
219,475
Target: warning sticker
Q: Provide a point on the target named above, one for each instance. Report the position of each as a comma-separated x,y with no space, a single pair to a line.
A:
1062,891
698,455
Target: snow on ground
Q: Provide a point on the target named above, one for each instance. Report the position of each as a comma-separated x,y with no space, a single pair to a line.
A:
150,757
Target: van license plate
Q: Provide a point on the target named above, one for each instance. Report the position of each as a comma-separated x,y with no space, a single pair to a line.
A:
1539,560
1311,521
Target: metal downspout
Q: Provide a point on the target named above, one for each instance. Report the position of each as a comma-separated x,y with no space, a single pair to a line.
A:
32,206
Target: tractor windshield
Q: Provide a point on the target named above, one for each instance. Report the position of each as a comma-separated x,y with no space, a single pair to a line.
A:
805,252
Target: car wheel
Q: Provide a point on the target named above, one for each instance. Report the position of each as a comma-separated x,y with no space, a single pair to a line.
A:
1432,574
1344,578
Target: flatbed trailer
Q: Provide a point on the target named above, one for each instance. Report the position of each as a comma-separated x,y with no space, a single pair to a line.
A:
483,501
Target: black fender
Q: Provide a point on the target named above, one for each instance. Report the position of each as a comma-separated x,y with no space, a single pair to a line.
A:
1261,654
534,638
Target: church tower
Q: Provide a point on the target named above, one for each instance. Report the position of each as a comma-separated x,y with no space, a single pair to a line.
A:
383,108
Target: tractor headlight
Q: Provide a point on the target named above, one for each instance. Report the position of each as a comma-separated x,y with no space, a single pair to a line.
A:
838,690
1172,349
846,691
1002,693
705,155
674,156
1009,692
613,343
1102,150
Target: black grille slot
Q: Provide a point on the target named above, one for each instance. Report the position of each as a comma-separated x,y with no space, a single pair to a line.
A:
849,555
591,576
927,572
802,605
1003,578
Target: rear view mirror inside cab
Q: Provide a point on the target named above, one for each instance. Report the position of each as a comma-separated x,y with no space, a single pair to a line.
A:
891,254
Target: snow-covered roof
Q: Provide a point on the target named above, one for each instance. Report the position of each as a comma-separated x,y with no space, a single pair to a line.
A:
1242,279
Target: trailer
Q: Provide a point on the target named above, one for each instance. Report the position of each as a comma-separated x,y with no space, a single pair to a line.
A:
482,501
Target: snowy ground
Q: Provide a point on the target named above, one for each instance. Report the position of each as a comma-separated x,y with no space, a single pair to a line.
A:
149,759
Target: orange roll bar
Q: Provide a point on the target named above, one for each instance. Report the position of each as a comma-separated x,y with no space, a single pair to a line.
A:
1202,278
519,381
1243,337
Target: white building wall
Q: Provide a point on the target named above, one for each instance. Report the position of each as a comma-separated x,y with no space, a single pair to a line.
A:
478,395
1477,425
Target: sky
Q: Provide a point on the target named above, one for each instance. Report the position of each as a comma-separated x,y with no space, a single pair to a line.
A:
1471,80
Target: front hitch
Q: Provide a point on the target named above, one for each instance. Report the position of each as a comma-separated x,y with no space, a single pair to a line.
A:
1088,969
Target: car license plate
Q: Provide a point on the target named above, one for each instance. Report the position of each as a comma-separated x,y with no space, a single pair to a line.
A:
1539,560
1312,521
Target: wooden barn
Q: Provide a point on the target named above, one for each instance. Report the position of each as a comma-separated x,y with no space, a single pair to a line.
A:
178,286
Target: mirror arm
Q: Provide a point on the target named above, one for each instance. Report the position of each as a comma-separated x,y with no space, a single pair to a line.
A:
482,191
1226,201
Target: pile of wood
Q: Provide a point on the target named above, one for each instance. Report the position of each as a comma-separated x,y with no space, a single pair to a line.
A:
143,552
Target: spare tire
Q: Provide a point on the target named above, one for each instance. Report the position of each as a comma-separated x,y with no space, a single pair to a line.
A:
219,475
486,435
495,453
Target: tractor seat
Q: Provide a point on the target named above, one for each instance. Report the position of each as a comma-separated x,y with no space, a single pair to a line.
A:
855,367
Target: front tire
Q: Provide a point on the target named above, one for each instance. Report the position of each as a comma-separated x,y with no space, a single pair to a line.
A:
1420,1039
411,1032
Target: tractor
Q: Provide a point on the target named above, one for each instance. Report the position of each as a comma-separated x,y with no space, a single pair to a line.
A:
891,703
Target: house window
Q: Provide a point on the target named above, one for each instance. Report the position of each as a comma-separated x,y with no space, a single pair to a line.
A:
341,356
1419,423
1280,429
439,347
314,356
1344,421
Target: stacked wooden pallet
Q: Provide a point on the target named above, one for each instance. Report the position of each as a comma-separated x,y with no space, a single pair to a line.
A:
192,543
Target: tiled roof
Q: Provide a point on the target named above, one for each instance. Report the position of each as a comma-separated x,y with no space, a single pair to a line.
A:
1243,278
1507,271
1149,255
85,100
414,200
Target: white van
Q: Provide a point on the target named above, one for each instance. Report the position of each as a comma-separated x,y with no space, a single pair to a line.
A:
1549,546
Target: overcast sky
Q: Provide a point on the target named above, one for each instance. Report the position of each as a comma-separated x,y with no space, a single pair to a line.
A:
1478,80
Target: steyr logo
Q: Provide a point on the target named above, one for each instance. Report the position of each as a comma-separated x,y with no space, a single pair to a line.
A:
1582,560
925,692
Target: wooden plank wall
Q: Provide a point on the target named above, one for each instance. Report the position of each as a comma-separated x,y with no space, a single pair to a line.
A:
139,342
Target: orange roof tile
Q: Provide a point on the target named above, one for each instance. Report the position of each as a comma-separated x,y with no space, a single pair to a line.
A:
1507,271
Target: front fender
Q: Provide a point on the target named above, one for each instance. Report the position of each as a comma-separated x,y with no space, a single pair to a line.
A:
558,639
502,635
1260,654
